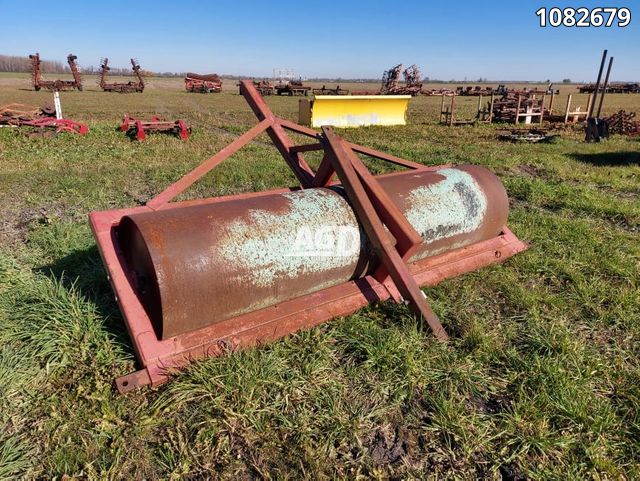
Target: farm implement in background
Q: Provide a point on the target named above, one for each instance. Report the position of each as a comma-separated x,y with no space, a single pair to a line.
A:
479,91
292,87
55,85
203,277
210,83
41,119
502,89
120,87
263,86
392,85
514,106
391,81
440,91
138,129
13,114
613,88
330,91
285,83
623,123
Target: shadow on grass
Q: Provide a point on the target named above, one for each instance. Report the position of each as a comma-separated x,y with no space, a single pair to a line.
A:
610,159
83,269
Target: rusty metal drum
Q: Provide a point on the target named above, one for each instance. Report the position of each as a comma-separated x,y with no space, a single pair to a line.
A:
193,266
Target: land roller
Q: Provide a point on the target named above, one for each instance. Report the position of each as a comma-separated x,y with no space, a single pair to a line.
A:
203,277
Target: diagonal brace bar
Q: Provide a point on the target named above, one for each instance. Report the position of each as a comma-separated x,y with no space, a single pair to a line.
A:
178,187
379,237
278,136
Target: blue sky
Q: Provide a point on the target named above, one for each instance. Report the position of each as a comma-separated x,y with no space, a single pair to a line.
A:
323,38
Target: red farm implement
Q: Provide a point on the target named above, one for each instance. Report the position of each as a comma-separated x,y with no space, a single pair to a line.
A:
138,128
198,278
55,85
391,81
623,123
210,83
292,87
121,87
264,87
42,119
330,91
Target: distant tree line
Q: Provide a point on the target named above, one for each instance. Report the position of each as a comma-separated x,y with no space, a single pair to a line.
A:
10,63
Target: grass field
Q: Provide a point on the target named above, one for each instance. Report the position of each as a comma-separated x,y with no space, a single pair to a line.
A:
541,379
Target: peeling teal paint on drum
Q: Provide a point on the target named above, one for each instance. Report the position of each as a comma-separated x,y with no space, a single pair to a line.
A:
261,244
456,205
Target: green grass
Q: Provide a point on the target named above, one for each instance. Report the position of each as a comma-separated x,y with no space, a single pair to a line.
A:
540,380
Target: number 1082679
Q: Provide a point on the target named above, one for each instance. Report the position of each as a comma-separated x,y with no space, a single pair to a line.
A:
584,17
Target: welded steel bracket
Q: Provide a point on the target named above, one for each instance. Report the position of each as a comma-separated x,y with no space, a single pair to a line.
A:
395,278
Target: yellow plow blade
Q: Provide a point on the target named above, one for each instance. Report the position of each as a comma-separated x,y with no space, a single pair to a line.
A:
354,110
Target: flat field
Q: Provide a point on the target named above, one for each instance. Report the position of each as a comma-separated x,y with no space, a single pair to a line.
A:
541,379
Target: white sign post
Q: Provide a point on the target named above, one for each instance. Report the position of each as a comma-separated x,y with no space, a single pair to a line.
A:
57,104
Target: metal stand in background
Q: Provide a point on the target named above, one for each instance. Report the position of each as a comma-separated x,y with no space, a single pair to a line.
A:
596,127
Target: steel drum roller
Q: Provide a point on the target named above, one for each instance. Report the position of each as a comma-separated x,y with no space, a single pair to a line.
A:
197,265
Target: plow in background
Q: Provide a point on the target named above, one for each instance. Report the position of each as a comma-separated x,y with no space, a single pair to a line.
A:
198,278
55,85
120,87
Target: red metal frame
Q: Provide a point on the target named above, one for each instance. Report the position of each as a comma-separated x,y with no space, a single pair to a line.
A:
394,279
55,85
138,128
61,125
36,118
121,87
202,83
